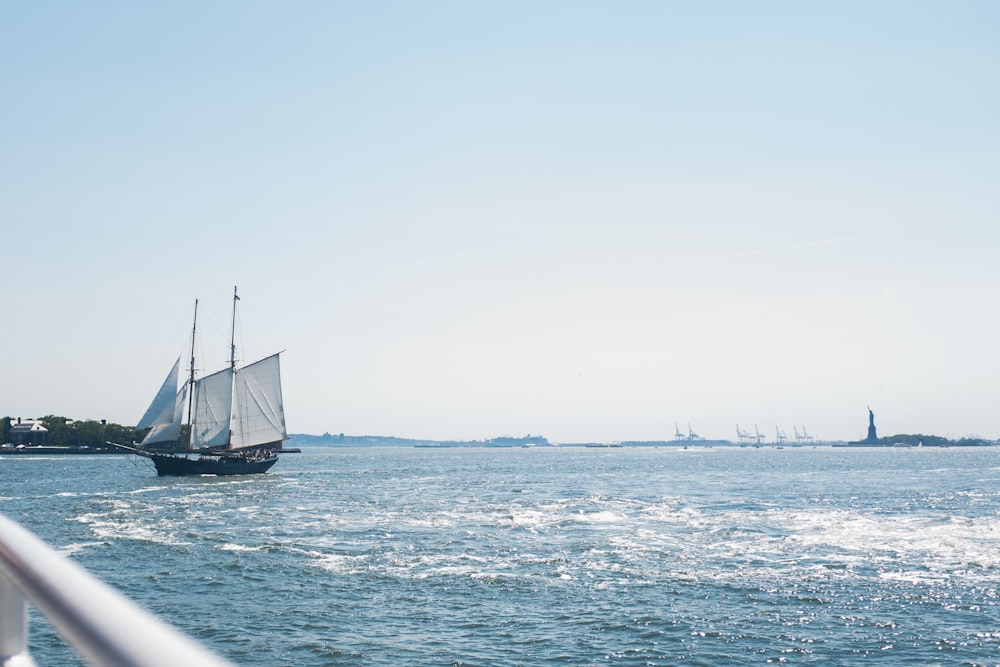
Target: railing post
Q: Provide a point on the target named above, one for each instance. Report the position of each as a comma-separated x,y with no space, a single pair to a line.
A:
13,626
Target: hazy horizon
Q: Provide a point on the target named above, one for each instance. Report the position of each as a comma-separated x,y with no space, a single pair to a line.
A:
584,220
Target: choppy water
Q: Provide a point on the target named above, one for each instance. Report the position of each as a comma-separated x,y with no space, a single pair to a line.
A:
567,556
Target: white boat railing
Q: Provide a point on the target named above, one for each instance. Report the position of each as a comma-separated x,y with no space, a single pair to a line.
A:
103,626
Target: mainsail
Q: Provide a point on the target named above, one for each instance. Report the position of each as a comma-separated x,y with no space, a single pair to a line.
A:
258,412
213,405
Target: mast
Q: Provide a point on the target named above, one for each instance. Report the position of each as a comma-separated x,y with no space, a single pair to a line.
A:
232,336
194,328
232,366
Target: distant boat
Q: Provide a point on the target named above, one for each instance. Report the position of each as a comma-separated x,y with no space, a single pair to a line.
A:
236,417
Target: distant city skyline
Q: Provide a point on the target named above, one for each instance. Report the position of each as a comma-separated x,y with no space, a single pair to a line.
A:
584,220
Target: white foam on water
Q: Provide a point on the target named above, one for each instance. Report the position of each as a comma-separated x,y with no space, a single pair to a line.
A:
122,525
797,544
905,549
599,517
530,519
237,548
944,544
71,549
340,563
136,531
435,521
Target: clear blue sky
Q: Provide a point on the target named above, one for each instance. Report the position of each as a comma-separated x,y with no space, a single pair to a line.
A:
587,220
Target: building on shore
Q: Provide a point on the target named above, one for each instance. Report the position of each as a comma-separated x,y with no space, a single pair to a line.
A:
28,432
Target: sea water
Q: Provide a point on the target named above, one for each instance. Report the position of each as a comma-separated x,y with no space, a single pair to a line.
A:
543,556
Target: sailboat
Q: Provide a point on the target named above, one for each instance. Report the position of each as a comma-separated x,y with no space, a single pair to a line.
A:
236,417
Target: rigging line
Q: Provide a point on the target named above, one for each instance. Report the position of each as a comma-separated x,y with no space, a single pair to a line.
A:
170,353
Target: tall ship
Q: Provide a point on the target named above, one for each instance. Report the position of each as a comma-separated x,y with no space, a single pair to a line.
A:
235,417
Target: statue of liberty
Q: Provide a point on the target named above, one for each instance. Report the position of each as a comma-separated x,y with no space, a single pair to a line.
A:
872,436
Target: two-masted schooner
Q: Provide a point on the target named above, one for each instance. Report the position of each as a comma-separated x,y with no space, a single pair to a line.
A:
236,417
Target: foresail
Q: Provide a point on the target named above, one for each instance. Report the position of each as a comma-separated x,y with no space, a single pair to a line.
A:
161,410
171,431
258,411
213,401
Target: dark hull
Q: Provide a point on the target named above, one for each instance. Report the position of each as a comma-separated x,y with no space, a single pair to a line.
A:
168,464
207,464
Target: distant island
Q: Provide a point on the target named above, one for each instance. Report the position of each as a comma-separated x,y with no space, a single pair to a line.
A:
910,440
327,439
917,440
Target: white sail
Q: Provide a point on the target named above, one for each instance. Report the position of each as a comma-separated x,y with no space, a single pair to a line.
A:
258,411
170,431
213,403
161,410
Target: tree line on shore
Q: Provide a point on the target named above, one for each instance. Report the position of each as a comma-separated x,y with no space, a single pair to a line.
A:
66,432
